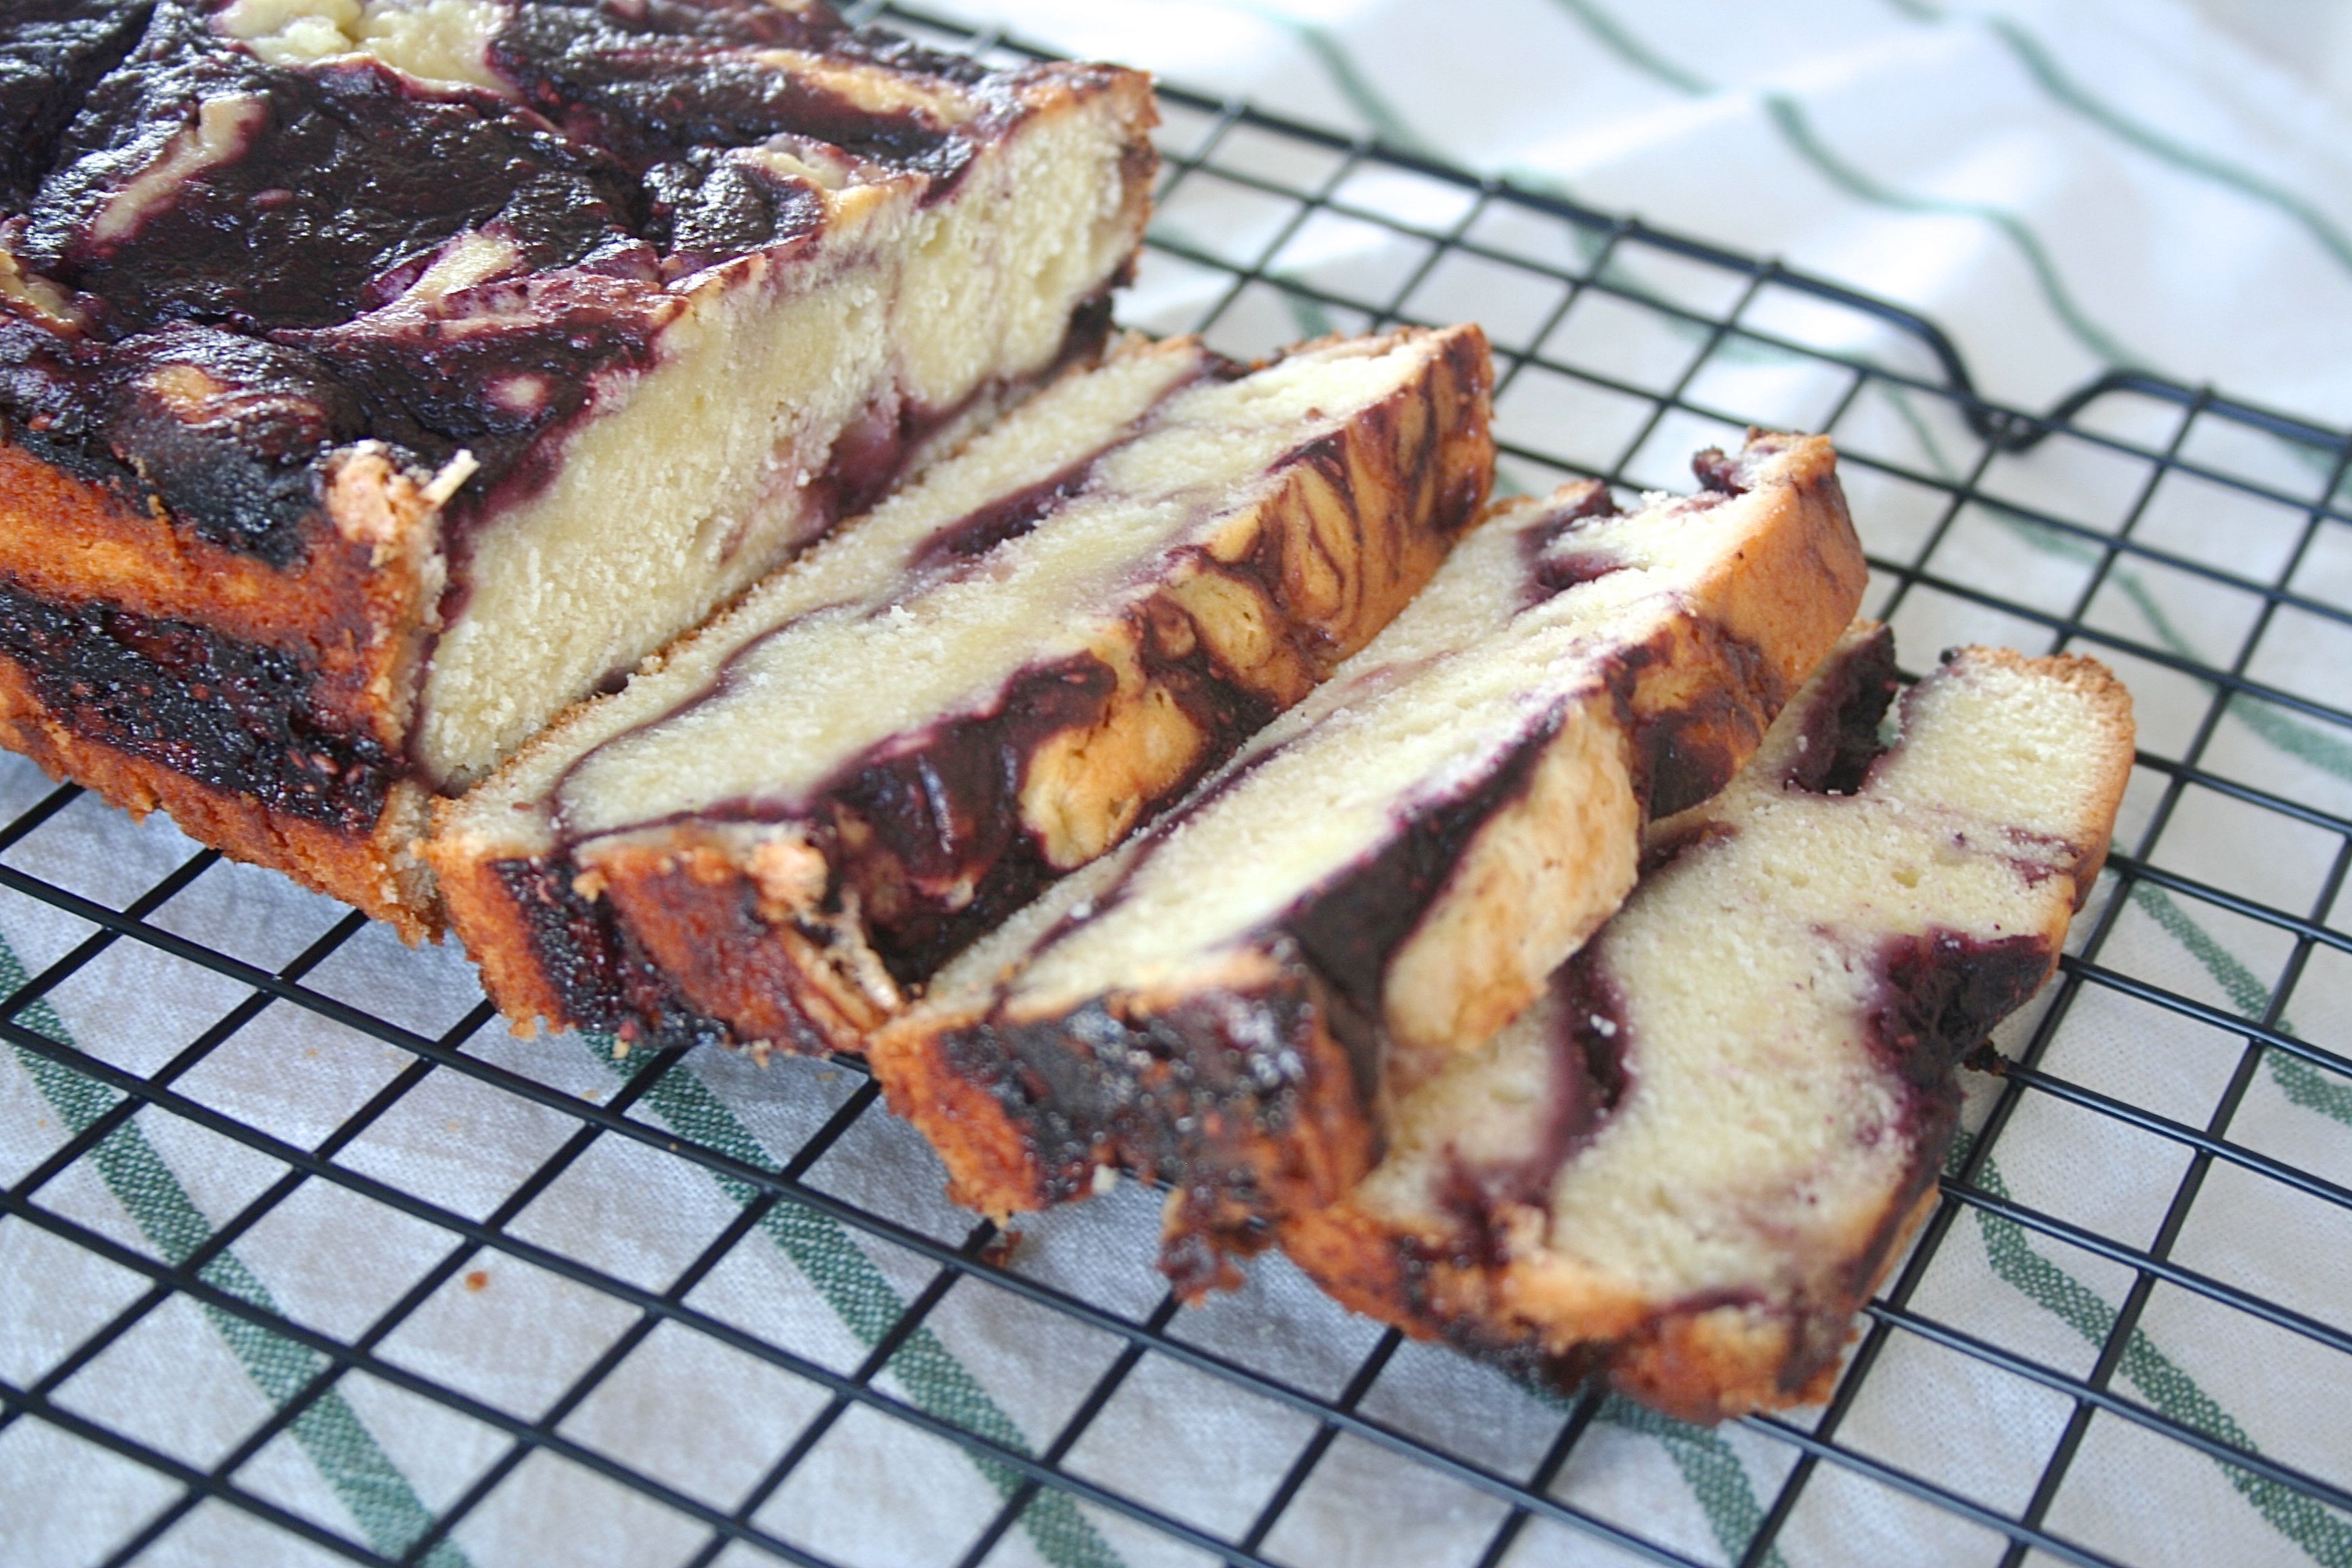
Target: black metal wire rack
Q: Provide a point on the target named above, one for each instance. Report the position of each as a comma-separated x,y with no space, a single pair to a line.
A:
2180,535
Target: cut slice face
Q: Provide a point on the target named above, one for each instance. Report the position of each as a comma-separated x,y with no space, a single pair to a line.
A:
817,799
1388,874
1688,1166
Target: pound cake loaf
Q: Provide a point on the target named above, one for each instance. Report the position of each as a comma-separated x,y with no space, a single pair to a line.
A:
1690,1164
1388,873
378,377
814,801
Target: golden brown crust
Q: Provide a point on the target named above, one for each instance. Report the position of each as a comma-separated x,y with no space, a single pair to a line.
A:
1805,561
1544,870
1709,1365
350,614
378,874
994,1169
1702,1362
352,609
1712,1364
66,539
701,915
1136,105
476,899
1187,1107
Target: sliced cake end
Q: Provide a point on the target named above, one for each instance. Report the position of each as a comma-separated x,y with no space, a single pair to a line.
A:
816,801
1688,1166
1387,875
377,379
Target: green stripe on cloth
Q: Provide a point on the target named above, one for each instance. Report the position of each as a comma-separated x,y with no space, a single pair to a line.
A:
1314,320
1388,124
2292,736
2323,1535
1789,117
2302,1082
1716,1475
2298,737
1899,399
330,1434
2043,67
869,1306
1621,41
1389,127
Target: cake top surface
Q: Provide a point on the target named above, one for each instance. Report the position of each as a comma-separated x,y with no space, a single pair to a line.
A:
308,221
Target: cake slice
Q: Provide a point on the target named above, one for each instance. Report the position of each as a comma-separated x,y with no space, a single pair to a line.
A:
1687,1168
816,801
378,377
1388,873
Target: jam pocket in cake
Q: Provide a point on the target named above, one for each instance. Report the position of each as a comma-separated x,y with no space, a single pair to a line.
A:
377,379
819,798
1385,876
1688,1166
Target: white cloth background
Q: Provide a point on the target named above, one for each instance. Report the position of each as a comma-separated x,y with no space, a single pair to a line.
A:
2064,187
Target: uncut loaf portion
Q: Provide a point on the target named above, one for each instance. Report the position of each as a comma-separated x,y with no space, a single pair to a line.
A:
812,803
379,377
1388,873
1688,1167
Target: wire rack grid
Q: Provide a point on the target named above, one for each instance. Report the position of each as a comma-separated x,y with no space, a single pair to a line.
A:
2182,536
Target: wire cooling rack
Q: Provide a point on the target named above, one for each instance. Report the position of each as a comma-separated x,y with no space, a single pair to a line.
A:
2179,535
